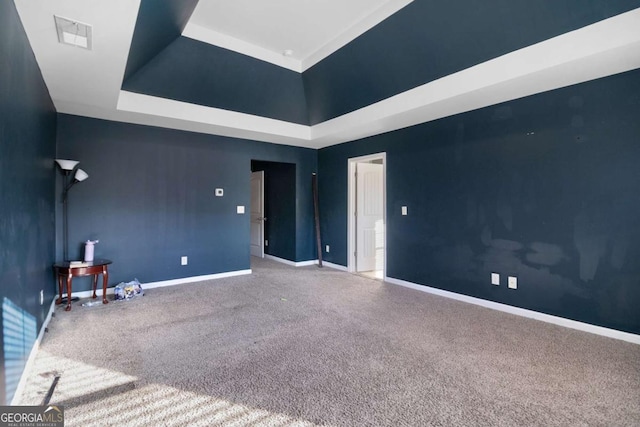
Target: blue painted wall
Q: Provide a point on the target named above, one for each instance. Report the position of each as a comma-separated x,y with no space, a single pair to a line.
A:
150,198
159,23
546,188
196,72
427,40
280,207
27,179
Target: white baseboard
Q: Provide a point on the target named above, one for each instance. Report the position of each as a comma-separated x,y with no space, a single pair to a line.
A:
305,263
573,324
32,355
88,294
194,279
172,282
334,266
283,261
289,262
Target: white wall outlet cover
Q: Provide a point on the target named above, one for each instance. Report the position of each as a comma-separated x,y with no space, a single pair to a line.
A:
404,210
326,249
240,209
184,260
219,192
266,243
495,279
513,282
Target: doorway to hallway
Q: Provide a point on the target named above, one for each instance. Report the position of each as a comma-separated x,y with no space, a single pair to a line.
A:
366,222
273,213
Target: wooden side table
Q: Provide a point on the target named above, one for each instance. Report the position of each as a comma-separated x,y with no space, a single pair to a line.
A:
67,270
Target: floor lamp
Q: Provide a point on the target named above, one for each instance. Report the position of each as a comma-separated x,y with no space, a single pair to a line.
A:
72,176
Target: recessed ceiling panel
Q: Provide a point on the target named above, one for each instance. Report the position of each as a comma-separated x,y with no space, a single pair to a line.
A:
380,81
300,26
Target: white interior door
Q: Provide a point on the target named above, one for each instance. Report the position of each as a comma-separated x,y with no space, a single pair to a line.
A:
369,217
257,214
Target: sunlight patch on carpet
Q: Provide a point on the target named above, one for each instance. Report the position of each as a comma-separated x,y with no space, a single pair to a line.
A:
98,396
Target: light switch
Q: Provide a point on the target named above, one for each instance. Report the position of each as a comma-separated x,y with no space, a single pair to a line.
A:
240,209
404,210
219,192
513,282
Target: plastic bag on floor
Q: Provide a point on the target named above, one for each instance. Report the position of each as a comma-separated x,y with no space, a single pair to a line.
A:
128,290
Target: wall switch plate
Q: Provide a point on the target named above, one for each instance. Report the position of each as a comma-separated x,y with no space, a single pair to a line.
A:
404,210
219,192
513,282
266,243
184,260
495,279
326,248
240,209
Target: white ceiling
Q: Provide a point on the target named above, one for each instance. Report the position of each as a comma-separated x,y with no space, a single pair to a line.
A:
310,29
87,83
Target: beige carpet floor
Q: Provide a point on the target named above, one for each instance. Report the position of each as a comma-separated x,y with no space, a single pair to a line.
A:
310,346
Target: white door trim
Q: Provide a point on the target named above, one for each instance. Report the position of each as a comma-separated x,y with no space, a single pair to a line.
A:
261,219
351,217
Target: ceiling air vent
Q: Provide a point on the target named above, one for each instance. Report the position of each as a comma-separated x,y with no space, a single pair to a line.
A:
73,33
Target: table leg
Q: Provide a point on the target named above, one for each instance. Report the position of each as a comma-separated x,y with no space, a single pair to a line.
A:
105,279
59,300
68,307
95,284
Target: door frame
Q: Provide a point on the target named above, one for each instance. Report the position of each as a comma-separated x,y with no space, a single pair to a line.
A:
351,210
262,221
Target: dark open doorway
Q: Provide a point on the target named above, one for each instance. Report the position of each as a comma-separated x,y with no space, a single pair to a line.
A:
279,208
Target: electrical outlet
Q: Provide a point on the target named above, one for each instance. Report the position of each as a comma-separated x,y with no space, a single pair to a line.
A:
513,282
219,192
42,297
495,279
326,249
184,260
240,209
266,243
404,210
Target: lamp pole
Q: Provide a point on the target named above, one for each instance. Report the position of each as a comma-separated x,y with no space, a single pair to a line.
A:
65,221
68,166
65,228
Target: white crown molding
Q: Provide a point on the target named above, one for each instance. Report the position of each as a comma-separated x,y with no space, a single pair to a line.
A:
197,32
354,32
